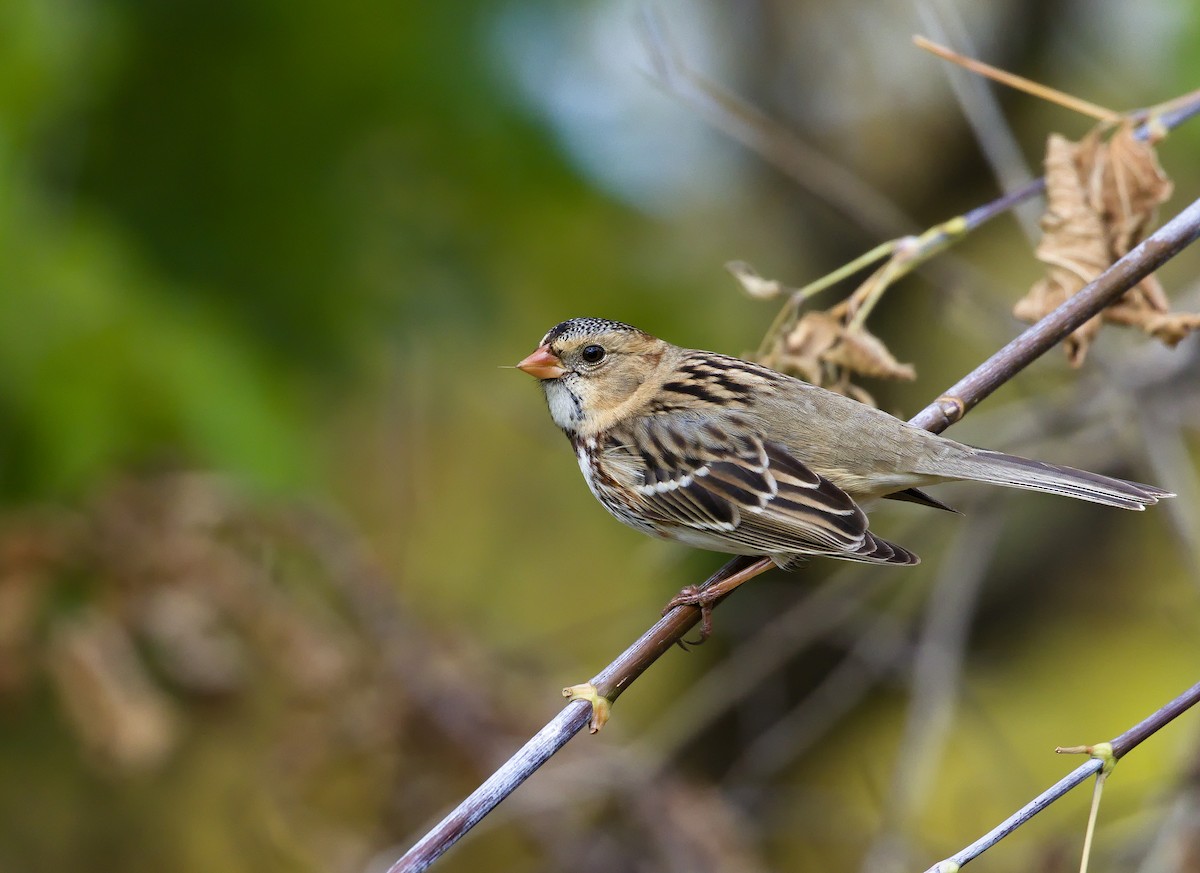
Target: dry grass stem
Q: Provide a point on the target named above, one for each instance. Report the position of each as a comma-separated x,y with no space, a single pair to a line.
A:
1020,83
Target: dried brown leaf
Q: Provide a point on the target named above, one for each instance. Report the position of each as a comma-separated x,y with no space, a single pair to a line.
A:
1073,246
863,352
825,348
1169,328
809,342
1101,199
1046,296
1127,185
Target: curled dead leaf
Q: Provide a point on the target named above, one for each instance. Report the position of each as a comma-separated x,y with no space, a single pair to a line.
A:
864,353
1074,246
1101,199
805,347
1127,185
1169,328
825,348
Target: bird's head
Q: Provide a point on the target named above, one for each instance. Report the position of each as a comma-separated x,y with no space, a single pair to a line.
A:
592,368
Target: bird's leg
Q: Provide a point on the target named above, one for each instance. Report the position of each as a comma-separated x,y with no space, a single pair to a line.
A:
706,596
693,595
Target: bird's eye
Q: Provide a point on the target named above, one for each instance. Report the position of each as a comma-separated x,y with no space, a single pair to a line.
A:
592,354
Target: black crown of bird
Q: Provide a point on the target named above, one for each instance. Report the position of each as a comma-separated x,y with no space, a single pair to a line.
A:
725,454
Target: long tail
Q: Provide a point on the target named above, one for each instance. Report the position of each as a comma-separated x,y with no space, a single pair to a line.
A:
1016,472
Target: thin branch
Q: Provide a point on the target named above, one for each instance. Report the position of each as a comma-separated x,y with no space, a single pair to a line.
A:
908,253
840,609
1147,257
1136,735
1122,745
1182,109
816,613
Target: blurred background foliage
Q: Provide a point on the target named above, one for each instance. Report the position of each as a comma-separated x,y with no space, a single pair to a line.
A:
288,563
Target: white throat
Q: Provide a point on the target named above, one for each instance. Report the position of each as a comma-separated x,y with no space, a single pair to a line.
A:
565,407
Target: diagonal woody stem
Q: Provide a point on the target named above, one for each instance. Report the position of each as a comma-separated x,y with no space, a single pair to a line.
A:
951,406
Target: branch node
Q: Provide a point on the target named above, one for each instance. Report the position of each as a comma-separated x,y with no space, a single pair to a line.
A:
952,407
601,705
1102,752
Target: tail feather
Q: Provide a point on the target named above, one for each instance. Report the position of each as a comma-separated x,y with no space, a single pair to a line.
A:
915,495
1016,472
877,550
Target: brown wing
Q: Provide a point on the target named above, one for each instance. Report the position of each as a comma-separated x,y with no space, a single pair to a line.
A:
749,492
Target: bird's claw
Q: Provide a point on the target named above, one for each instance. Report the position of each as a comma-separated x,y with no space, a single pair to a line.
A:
701,598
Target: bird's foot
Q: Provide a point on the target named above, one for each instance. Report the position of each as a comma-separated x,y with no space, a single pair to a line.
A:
701,598
705,597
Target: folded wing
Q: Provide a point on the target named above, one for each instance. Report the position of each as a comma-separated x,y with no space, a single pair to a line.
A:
750,493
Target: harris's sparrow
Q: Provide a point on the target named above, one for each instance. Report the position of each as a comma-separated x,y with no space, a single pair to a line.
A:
728,455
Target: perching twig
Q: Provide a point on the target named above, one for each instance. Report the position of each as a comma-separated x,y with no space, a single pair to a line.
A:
1147,257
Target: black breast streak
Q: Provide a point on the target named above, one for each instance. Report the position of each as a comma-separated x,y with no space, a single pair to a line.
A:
600,474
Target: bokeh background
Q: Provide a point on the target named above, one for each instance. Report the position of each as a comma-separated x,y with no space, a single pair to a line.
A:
289,562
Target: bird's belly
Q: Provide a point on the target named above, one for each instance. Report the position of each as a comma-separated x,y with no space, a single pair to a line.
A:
713,542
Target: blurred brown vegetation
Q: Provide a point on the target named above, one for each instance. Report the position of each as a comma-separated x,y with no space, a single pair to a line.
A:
288,563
